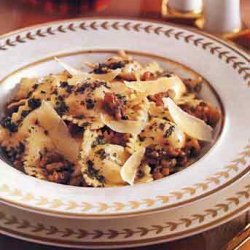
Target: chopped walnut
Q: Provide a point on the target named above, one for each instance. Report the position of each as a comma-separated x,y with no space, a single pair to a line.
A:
77,178
148,76
157,98
165,161
114,106
193,85
205,112
160,172
127,76
193,147
59,177
74,129
57,168
115,137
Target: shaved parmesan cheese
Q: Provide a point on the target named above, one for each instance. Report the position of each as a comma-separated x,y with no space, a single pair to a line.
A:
81,76
129,169
191,125
159,85
124,55
123,126
69,68
58,131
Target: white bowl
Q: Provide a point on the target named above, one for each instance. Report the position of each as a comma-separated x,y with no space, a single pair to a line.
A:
29,52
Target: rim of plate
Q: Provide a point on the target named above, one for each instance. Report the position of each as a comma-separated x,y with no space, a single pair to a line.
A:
238,66
235,202
228,44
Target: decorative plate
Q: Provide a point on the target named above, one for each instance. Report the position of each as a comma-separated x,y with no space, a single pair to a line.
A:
30,52
137,230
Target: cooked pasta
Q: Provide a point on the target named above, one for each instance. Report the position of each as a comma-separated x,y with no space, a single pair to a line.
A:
120,123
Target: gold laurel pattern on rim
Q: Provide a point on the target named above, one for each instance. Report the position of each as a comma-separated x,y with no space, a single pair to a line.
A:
241,67
186,222
43,201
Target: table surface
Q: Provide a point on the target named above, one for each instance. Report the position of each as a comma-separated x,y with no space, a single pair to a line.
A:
21,13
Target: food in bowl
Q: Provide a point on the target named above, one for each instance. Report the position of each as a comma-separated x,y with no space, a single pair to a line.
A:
120,123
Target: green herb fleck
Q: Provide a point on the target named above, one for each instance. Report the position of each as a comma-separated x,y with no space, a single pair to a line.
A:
169,131
94,173
90,104
8,124
99,141
102,154
61,106
34,103
162,126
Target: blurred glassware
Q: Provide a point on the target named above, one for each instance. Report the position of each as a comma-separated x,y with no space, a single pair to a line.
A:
187,12
194,6
222,17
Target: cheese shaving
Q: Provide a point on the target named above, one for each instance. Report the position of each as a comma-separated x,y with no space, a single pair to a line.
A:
159,85
191,125
58,131
123,126
129,169
81,76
